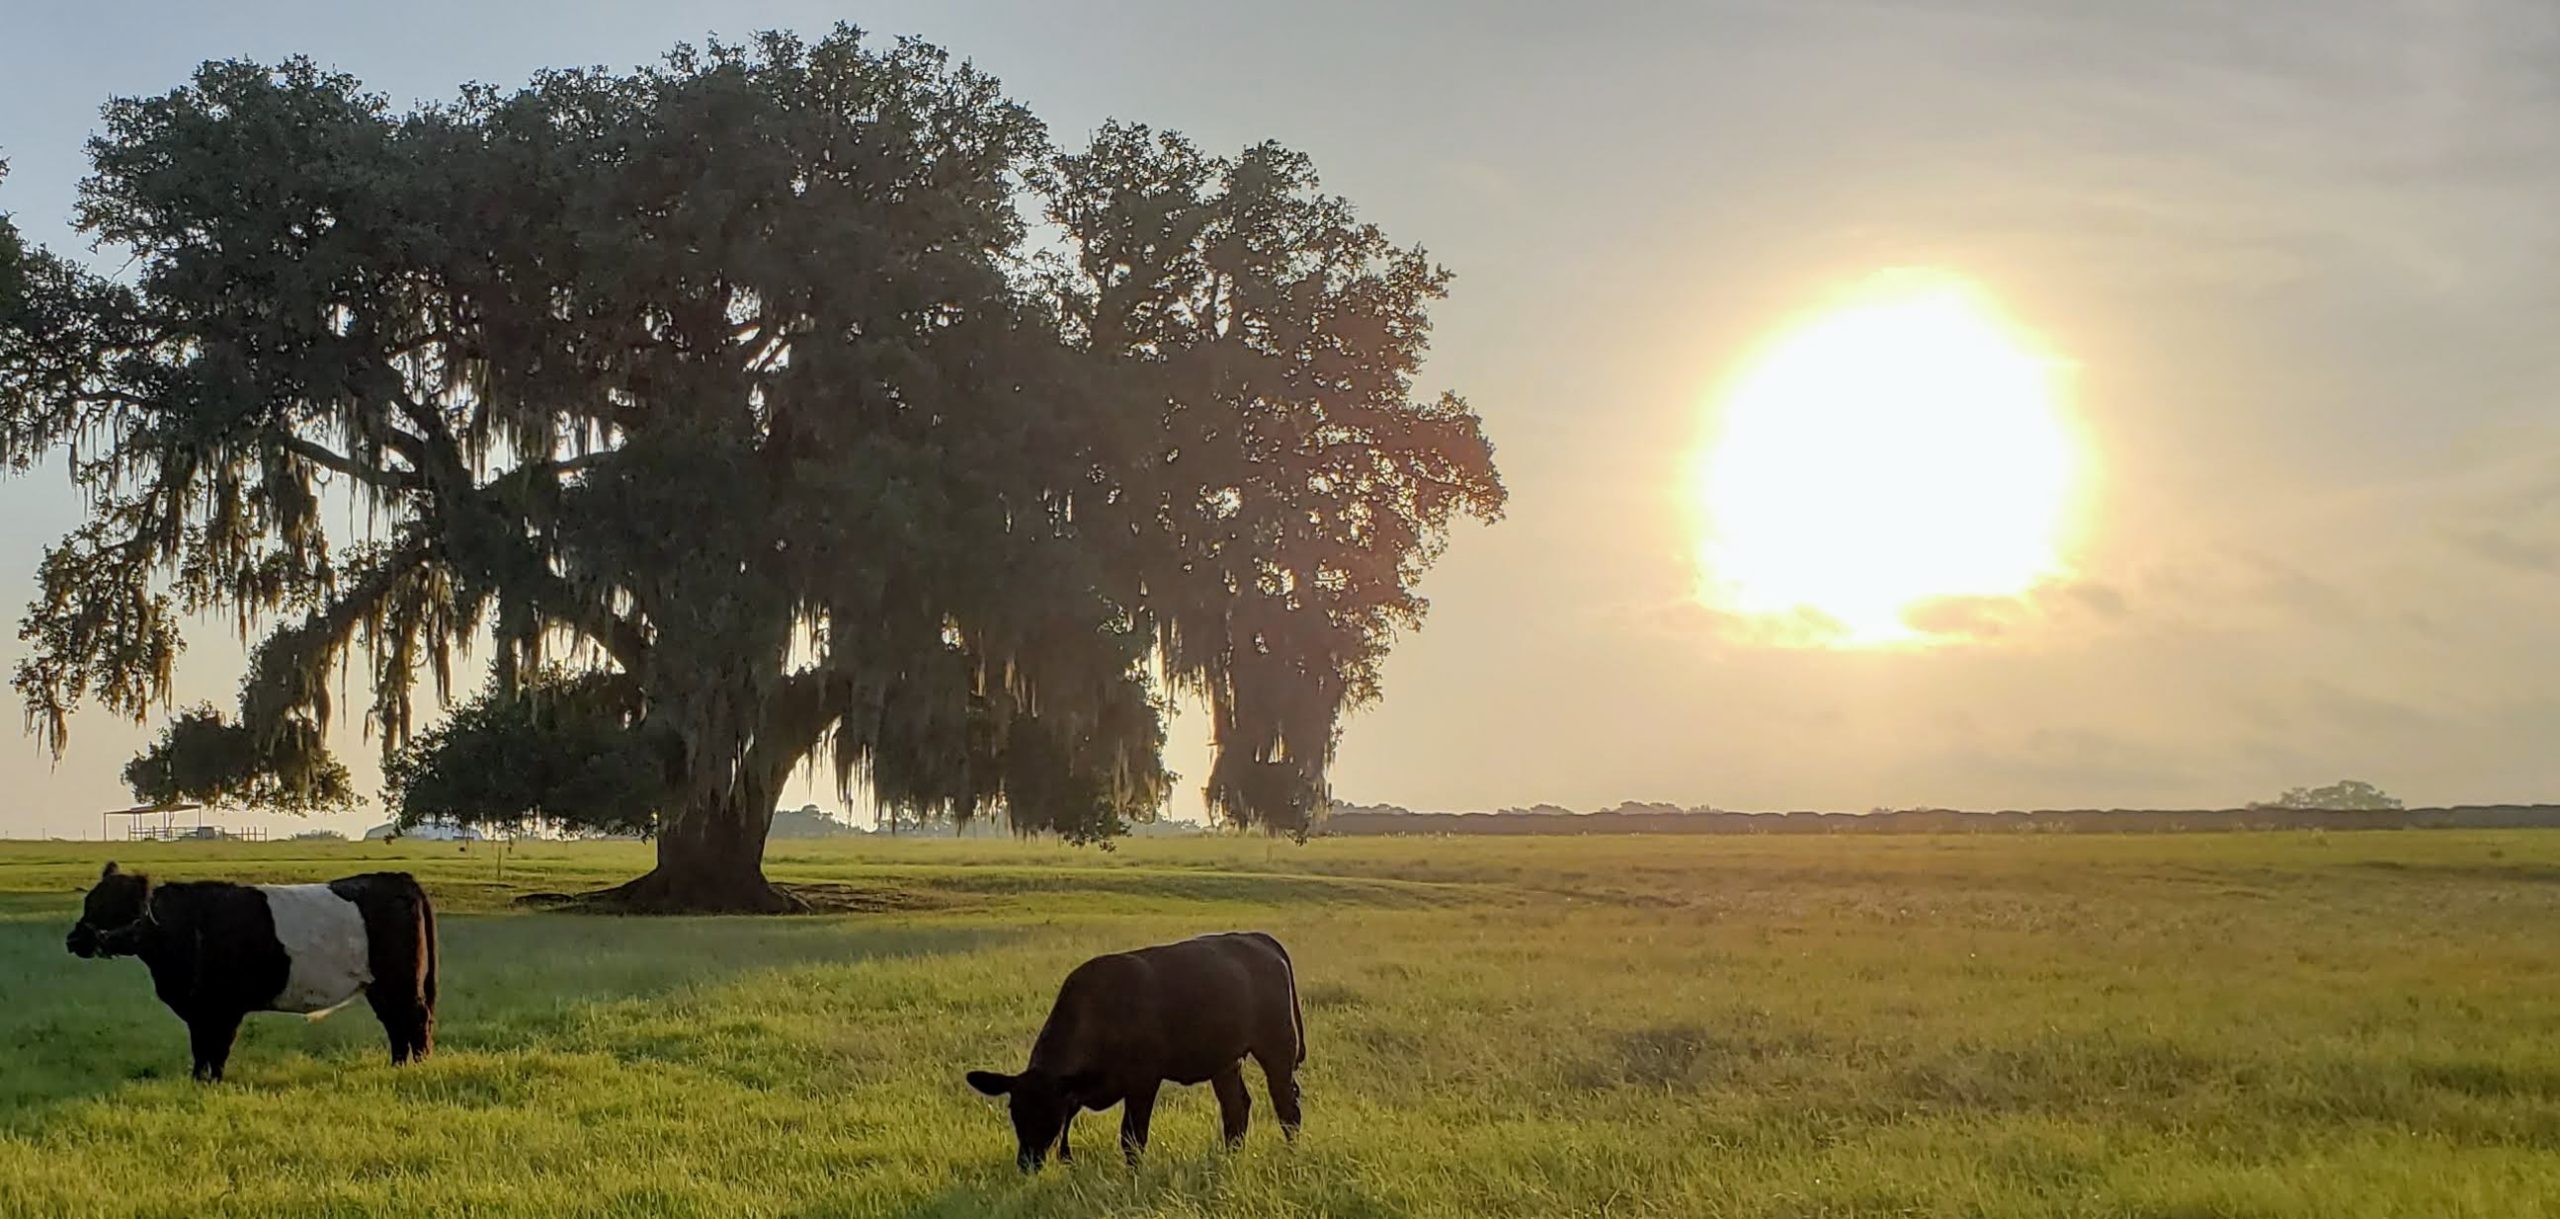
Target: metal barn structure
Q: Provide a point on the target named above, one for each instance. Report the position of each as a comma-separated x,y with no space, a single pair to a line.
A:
161,823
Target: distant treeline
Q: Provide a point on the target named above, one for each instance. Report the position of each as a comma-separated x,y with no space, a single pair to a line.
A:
1664,819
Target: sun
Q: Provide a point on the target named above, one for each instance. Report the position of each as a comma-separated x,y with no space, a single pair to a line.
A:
1904,446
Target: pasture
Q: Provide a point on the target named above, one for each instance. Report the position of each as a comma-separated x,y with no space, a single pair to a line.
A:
2271,1025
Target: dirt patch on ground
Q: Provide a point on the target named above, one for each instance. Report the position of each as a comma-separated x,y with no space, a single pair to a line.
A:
868,899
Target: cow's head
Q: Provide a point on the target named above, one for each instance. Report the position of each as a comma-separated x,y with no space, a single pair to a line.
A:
1041,1103
113,916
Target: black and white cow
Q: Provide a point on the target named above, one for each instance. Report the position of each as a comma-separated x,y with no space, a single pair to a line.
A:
218,951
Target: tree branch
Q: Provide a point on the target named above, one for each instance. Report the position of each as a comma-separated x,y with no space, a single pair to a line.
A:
339,463
556,599
289,671
798,712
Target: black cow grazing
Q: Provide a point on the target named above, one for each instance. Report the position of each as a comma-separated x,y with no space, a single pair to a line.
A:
219,951
1126,1023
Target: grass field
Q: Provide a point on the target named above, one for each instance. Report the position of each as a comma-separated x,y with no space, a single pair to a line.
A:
2226,1025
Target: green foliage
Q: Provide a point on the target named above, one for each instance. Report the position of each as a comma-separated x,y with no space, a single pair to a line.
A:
201,757
739,377
561,748
1291,490
2343,795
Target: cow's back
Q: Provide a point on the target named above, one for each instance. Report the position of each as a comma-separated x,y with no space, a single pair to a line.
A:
1241,969
1182,1012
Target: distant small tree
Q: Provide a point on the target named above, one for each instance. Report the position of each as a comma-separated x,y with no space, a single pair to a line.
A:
318,836
2345,795
563,749
201,758
809,821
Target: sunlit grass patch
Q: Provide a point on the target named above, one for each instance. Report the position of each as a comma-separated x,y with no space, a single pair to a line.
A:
2243,1025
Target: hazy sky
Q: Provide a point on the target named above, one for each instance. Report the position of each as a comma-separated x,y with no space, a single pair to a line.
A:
2302,260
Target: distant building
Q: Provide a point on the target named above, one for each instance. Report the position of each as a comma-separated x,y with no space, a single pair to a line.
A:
809,821
1167,829
425,832
159,823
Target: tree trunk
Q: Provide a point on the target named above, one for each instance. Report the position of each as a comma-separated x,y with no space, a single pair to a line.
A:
711,852
711,860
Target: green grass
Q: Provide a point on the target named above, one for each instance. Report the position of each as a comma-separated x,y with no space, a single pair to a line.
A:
2163,1027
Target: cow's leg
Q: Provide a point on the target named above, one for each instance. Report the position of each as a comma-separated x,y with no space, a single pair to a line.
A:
1235,1105
422,1033
399,1019
407,1023
210,1035
1136,1112
1066,1128
1280,1078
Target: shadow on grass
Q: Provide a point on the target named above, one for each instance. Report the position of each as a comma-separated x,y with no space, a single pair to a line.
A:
1169,886
2518,873
78,1029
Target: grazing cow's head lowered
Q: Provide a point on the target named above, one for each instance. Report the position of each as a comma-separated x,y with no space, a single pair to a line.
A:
1041,1105
112,916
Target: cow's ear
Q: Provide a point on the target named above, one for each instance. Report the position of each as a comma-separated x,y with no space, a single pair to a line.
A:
990,1083
110,870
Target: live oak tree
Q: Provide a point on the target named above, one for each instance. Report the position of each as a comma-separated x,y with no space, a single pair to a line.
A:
800,394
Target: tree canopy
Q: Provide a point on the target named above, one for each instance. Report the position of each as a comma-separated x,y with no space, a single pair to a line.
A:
201,757
802,392
561,748
2345,794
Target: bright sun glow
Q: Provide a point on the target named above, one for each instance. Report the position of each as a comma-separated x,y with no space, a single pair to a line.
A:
1902,448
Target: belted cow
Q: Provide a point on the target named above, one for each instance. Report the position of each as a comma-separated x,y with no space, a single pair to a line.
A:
218,951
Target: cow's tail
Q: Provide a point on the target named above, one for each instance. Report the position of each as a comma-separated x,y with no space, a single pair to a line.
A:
427,951
1297,1014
